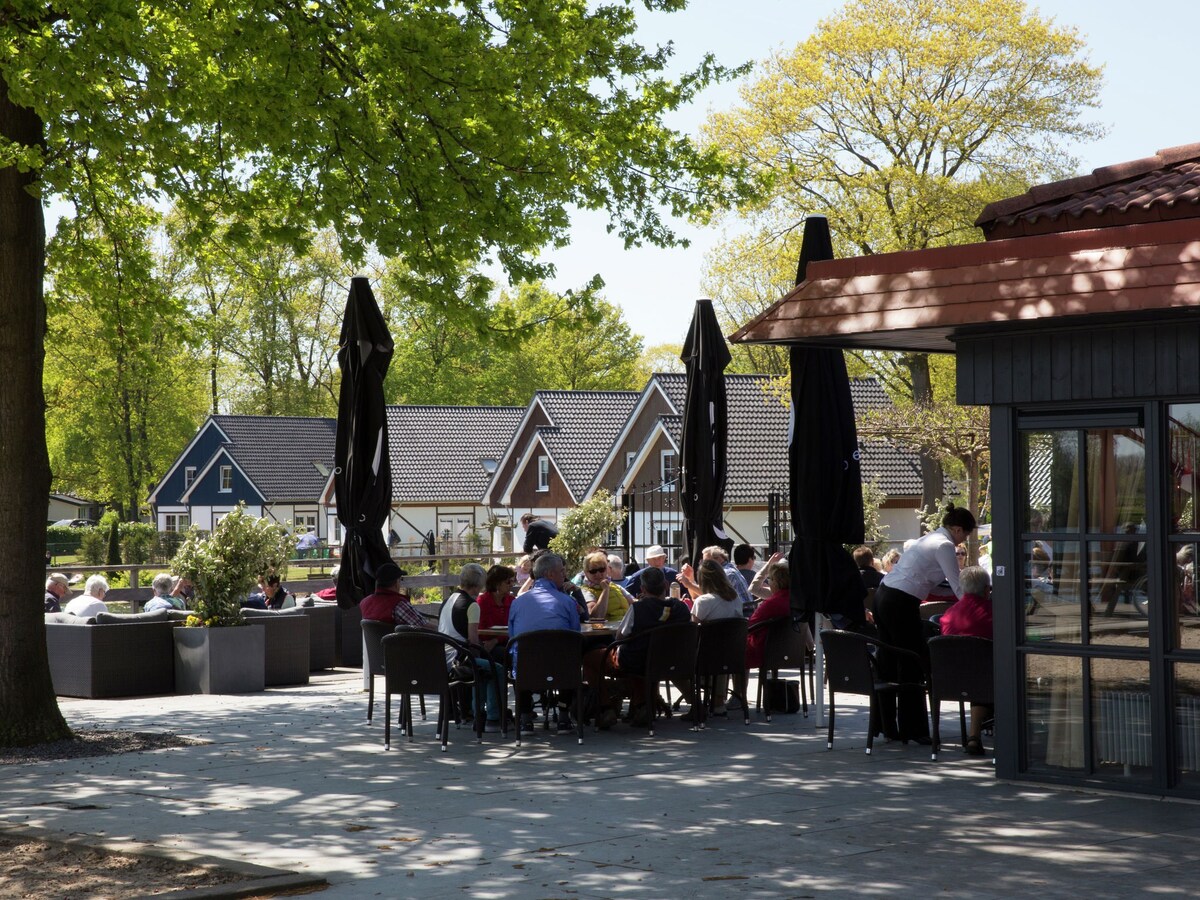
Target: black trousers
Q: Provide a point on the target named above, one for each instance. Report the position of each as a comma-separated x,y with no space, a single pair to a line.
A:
898,618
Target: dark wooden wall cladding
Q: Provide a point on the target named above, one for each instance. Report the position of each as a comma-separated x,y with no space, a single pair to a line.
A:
1111,361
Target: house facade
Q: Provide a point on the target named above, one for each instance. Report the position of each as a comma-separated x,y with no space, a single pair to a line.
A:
277,466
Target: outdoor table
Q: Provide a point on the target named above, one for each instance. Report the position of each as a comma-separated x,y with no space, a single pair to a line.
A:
587,630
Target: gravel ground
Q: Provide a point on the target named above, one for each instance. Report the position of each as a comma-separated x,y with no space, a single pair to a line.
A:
94,743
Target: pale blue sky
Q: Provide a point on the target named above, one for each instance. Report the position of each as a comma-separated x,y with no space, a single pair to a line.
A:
1148,102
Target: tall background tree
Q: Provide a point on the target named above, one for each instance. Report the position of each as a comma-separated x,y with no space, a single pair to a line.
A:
458,131
898,120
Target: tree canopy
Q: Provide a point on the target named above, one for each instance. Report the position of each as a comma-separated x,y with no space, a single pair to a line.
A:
444,133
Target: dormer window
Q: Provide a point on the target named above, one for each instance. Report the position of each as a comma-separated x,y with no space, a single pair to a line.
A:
543,483
226,479
189,476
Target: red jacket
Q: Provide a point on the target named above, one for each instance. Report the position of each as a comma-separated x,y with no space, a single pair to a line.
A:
778,604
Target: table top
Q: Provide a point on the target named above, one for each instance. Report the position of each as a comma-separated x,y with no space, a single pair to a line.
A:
603,629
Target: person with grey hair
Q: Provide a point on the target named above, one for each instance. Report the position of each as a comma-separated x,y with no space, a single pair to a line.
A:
91,601
57,587
972,615
162,584
543,606
460,620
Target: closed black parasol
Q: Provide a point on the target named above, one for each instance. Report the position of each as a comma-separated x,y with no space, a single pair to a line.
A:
363,470
823,459
703,464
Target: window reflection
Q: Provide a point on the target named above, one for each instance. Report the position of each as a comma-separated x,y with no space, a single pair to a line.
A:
1054,712
1187,722
1185,620
1121,741
1051,464
1119,591
1184,427
1116,480
1052,591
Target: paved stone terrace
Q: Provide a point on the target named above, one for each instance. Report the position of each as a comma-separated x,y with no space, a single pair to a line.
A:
296,779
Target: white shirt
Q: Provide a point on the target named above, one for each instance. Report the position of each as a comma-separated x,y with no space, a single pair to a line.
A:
85,606
710,607
925,565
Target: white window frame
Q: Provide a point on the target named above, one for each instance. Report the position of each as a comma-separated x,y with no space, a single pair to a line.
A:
226,475
667,469
543,474
176,522
630,456
189,476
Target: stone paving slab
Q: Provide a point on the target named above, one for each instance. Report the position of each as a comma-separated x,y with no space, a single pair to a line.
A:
294,778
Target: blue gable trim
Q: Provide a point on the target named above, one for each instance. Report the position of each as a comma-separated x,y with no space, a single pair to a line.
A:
207,443
206,491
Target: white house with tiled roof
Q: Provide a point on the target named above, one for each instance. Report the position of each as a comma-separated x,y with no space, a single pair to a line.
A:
277,465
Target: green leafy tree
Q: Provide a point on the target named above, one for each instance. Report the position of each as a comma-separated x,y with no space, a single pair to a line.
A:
113,556
121,374
898,120
659,358
449,134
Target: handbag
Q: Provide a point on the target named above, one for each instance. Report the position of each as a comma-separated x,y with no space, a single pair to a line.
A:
782,695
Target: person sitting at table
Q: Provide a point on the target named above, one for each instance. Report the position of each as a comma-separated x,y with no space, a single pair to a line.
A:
777,603
760,586
605,598
162,599
972,616
544,606
717,554
91,601
460,620
656,558
717,600
388,604
653,609
494,604
330,593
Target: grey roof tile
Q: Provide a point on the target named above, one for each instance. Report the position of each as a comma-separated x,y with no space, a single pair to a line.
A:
287,457
585,425
437,452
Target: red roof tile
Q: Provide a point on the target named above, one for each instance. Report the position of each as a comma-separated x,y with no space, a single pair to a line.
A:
1157,188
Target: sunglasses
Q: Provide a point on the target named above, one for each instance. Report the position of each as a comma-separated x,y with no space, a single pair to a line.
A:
597,571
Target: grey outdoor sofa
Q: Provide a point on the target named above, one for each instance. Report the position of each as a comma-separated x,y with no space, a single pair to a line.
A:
111,655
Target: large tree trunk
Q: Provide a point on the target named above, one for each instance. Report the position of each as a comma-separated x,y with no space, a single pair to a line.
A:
933,477
28,710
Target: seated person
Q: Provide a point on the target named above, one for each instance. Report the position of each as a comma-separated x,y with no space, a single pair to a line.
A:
388,604
543,607
972,615
656,558
91,601
605,598
760,585
717,600
162,584
460,620
496,600
652,610
778,603
57,587
184,590
330,593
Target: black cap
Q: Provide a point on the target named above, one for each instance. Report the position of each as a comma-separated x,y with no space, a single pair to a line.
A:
388,573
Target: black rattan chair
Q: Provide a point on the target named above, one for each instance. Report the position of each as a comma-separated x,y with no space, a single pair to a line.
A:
960,668
373,635
721,651
414,662
786,647
850,668
670,654
549,662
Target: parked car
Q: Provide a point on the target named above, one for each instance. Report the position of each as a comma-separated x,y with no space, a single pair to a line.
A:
73,523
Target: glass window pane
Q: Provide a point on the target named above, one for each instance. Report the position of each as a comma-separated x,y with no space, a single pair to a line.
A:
1118,588
1187,723
1053,713
1121,741
1053,607
1184,441
1116,480
1185,618
1050,461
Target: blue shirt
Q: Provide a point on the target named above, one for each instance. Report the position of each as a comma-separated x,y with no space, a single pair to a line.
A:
541,607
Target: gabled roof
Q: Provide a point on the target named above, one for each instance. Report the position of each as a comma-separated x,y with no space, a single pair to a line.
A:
671,387
285,457
222,457
179,460
1159,187
585,425
757,439
438,452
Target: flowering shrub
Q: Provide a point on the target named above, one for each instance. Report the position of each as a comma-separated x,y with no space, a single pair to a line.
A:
225,565
586,527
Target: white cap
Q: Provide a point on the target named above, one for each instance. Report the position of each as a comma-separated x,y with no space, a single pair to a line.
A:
655,551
